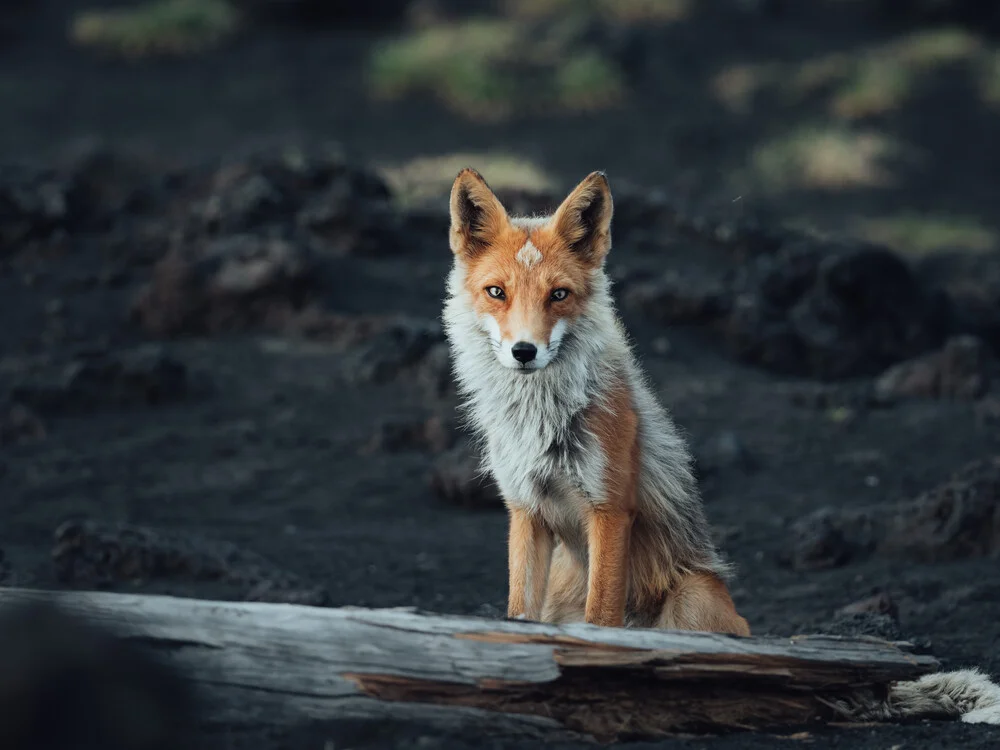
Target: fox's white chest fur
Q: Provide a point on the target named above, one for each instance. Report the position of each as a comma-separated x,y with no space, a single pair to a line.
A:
530,425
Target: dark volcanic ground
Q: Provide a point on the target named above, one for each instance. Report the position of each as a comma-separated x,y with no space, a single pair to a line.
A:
245,391
200,351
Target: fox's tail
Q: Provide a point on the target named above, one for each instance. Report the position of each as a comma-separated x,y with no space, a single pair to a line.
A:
965,694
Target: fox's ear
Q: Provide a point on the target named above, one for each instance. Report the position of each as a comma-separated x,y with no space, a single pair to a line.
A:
477,216
583,221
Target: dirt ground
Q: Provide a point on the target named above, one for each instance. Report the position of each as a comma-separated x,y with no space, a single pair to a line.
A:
150,376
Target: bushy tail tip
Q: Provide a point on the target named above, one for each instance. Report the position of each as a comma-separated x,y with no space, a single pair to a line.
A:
965,694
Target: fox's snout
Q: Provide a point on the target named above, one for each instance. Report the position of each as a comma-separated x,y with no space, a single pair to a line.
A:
522,351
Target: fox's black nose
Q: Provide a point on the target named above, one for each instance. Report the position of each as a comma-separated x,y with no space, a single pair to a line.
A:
524,352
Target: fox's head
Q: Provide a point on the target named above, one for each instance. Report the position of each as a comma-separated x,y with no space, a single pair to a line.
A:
529,279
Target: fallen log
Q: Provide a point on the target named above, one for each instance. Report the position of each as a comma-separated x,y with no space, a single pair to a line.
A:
264,663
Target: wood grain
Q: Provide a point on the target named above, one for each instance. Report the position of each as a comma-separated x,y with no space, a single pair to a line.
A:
264,663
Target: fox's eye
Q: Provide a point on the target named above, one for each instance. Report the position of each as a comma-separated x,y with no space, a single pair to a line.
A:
560,294
495,292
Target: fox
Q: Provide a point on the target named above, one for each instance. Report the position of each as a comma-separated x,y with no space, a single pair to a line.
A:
605,522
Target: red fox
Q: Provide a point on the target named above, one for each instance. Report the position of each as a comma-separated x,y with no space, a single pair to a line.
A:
606,524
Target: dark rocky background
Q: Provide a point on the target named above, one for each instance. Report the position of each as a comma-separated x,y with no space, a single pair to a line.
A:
222,256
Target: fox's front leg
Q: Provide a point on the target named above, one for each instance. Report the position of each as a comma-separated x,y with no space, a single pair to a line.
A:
609,520
609,532
529,555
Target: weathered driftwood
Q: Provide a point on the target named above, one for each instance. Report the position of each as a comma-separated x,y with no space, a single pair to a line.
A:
283,663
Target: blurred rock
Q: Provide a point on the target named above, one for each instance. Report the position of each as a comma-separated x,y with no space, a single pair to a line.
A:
268,187
957,520
434,371
381,348
721,451
975,296
397,348
67,683
341,330
676,299
307,197
958,372
434,435
853,396
863,625
89,554
242,199
92,192
19,424
231,284
108,185
456,479
832,312
988,411
820,542
251,241
143,376
33,204
641,212
878,604
345,221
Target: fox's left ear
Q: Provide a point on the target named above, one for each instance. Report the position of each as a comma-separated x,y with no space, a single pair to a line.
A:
583,220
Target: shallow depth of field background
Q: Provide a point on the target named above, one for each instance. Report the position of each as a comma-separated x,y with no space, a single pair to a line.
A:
863,116
223,245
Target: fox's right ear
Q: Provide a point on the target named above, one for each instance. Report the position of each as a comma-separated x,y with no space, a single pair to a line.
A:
477,216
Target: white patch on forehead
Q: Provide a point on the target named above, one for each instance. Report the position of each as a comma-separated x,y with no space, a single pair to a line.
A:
529,255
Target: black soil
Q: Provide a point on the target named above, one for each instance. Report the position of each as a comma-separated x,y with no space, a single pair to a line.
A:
194,347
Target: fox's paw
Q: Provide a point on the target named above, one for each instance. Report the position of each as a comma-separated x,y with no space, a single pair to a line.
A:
519,618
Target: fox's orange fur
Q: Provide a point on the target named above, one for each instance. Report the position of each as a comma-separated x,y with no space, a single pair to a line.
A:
605,522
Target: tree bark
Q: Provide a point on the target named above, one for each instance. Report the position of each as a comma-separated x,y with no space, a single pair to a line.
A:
263,663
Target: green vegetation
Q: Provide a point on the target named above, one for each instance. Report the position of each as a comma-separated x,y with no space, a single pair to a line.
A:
159,27
868,82
881,78
875,87
461,63
830,158
486,69
916,235
530,57
587,81
736,85
989,78
429,178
